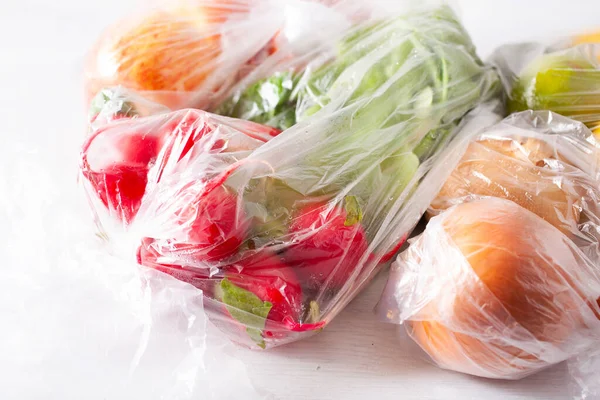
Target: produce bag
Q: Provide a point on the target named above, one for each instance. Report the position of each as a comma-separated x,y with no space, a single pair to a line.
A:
187,53
505,279
80,321
281,229
564,78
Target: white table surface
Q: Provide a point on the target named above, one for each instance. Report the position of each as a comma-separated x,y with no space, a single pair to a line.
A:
43,44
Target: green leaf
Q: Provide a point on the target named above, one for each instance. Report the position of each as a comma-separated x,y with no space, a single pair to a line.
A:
432,141
394,86
353,211
268,101
246,308
256,335
400,170
109,100
269,202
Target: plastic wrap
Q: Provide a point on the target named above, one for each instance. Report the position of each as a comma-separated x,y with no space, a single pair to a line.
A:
564,78
281,230
505,280
187,53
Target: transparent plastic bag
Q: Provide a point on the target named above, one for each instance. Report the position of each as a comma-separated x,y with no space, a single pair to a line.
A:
80,322
281,230
187,53
563,78
505,279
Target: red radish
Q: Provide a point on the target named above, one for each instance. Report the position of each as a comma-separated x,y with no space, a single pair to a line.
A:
271,281
328,242
149,256
214,225
207,229
116,160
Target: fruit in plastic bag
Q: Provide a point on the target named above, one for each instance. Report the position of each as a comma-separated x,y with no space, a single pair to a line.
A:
514,295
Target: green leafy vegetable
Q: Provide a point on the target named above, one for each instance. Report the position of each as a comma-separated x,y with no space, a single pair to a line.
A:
246,308
268,101
369,117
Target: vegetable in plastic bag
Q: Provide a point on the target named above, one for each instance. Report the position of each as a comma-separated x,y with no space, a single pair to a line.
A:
281,232
80,322
505,280
117,158
296,92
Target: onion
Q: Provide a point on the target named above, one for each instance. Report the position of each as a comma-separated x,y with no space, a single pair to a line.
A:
517,297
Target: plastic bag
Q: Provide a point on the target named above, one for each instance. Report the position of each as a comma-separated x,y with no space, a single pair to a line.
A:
281,230
563,78
79,321
505,280
187,53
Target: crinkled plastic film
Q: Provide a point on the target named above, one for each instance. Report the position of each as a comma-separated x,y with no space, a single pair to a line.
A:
505,279
72,308
281,229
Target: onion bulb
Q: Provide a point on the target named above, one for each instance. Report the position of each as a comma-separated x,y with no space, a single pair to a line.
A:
514,294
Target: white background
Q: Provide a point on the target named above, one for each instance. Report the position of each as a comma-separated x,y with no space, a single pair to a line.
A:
42,44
